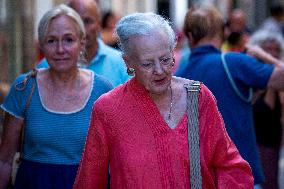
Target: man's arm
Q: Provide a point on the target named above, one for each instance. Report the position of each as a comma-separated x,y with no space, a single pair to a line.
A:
276,80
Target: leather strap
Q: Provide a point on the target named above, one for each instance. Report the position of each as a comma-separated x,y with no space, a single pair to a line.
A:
31,75
193,90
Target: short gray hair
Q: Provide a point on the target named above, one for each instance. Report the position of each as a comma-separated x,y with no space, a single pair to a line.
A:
138,24
261,36
55,12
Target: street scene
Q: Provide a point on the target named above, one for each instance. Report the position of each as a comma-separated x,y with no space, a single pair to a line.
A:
141,94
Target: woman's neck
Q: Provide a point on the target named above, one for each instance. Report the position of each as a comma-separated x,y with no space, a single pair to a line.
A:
63,77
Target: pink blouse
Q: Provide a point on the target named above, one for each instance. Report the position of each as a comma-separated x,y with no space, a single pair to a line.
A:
129,136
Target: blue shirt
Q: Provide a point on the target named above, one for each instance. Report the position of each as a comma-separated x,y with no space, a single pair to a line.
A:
108,62
52,137
205,65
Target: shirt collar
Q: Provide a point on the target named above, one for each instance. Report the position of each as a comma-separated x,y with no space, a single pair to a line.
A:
101,51
205,49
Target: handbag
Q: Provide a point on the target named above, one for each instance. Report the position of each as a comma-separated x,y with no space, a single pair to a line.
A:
18,156
193,90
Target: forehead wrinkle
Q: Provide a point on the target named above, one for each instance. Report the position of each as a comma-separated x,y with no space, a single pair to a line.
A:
146,52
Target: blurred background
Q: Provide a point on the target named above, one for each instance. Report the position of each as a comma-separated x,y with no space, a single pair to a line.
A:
19,20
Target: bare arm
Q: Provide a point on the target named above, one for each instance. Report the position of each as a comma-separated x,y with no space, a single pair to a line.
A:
10,140
276,80
259,53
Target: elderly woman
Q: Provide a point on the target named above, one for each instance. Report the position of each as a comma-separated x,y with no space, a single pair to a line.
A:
54,106
267,112
138,130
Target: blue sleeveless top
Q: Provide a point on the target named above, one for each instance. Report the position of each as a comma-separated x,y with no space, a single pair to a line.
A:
52,137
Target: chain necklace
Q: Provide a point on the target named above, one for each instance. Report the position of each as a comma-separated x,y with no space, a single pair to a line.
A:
171,105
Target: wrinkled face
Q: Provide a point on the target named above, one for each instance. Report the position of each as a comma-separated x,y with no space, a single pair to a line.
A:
152,60
273,48
90,17
62,44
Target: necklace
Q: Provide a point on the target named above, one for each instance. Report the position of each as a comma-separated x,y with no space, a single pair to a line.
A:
171,105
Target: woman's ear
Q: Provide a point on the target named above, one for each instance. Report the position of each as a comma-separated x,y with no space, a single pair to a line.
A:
83,43
129,65
127,61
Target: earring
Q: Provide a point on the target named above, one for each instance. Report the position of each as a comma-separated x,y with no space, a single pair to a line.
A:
82,62
131,71
174,61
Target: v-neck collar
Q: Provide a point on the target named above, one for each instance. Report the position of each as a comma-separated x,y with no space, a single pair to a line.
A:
150,111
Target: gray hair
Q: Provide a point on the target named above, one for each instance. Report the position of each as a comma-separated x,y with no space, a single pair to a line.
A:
55,12
261,36
138,24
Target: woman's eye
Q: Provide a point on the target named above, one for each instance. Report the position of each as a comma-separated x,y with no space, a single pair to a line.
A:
166,61
147,64
69,40
50,41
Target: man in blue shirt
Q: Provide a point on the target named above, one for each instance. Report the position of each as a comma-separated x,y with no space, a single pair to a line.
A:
100,58
231,79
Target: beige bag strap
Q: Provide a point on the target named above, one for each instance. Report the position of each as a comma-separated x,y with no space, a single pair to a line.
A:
31,75
193,90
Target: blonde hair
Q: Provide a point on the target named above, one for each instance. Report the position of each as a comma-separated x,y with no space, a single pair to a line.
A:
55,12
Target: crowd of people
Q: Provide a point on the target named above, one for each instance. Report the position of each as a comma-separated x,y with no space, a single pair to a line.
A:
110,105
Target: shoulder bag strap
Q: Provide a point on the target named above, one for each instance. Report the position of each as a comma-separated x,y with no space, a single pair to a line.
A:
193,90
233,84
31,75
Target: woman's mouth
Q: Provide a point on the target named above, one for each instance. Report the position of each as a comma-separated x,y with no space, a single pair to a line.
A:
160,81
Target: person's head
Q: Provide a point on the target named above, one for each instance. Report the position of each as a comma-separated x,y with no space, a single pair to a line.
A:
237,41
277,11
147,42
90,14
271,42
61,36
203,22
109,20
56,12
237,21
